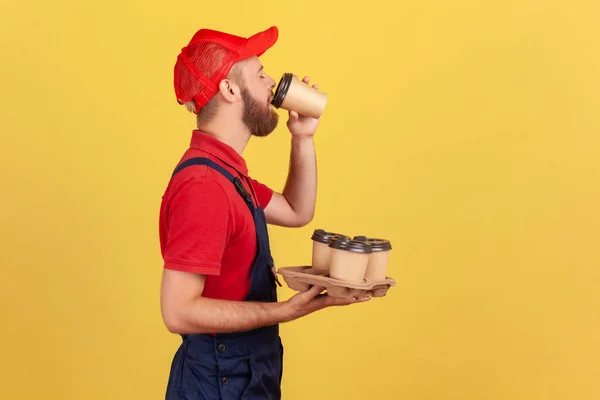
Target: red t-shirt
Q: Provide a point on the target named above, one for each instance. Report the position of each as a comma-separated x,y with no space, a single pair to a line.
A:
205,226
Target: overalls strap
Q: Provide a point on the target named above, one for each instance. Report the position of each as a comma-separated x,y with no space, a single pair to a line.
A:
212,164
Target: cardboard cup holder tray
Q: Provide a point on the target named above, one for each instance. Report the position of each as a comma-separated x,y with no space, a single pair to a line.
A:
302,278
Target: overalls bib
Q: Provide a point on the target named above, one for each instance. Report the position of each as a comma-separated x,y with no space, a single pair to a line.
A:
244,365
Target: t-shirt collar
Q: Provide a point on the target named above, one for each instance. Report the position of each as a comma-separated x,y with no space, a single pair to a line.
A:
219,149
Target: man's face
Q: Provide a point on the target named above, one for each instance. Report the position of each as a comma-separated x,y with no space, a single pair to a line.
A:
257,93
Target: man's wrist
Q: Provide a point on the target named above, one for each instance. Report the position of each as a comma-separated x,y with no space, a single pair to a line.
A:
283,312
302,139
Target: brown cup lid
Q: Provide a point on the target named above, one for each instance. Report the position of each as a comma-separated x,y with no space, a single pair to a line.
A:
355,246
376,244
325,237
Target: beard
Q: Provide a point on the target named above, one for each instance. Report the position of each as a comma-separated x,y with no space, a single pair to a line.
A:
260,119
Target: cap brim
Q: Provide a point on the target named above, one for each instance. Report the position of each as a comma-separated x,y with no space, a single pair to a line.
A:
259,43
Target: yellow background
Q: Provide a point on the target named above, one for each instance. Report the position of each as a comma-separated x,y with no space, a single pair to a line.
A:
467,132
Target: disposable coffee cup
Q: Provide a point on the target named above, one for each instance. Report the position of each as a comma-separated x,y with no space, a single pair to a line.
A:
321,254
378,259
294,95
349,260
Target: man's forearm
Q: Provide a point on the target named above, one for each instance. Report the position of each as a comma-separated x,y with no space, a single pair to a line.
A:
301,186
205,315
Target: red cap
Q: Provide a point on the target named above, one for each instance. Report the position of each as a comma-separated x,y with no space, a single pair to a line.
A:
208,58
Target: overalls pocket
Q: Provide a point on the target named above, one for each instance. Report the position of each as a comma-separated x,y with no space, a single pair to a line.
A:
236,377
266,370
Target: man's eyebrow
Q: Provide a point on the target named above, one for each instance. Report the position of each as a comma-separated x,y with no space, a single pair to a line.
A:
261,68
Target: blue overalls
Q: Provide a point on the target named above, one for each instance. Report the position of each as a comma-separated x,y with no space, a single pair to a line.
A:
244,365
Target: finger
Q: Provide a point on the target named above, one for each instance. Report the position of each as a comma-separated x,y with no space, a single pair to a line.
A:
364,296
316,86
306,79
315,290
293,115
348,301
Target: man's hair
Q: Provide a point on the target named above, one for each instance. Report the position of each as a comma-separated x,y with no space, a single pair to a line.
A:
210,109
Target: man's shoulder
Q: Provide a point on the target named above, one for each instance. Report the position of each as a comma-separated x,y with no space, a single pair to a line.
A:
202,179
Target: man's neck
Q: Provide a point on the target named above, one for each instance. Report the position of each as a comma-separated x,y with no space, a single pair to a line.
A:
234,135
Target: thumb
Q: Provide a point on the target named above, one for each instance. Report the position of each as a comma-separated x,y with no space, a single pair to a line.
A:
293,115
314,291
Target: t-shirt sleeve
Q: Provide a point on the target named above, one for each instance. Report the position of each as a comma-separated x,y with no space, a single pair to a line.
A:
198,228
263,193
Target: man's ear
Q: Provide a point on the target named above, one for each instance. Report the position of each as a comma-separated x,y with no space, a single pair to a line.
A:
230,91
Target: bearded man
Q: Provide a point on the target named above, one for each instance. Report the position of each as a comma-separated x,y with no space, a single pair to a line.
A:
218,287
